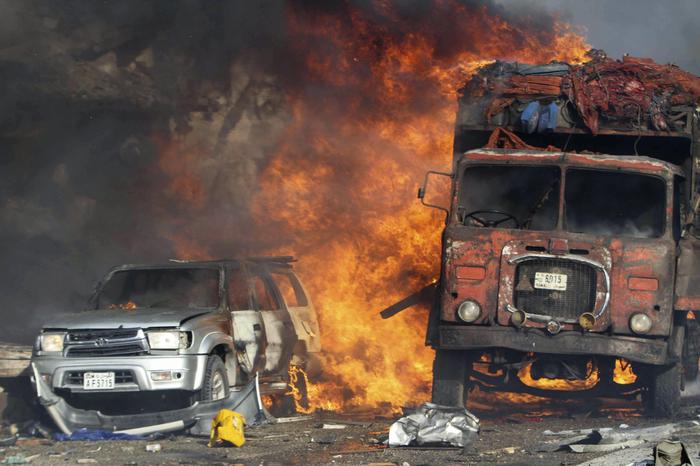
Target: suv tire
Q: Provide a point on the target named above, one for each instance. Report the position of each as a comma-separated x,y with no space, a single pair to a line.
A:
216,385
451,370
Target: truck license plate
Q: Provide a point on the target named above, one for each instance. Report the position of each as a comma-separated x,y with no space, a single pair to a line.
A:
550,281
98,380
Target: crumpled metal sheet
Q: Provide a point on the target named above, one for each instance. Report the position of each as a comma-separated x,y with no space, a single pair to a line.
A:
433,423
196,419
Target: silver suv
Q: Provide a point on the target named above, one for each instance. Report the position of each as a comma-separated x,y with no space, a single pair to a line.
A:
161,337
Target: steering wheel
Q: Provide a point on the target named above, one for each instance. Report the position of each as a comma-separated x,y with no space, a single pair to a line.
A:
474,215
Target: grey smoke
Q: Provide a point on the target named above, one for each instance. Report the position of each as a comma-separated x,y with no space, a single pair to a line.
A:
81,188
665,31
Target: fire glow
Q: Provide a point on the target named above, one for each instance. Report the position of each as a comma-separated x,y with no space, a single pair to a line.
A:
374,111
343,184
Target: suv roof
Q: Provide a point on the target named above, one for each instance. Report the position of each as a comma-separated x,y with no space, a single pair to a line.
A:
278,261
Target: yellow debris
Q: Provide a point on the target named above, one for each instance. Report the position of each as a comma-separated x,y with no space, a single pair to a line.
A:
227,426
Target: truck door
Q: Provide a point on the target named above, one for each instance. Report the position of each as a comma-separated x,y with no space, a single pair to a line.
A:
246,320
279,329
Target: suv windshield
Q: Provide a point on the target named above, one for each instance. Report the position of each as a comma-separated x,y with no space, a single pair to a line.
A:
508,196
614,203
179,288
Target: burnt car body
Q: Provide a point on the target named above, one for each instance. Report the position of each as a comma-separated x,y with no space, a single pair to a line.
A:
566,261
164,337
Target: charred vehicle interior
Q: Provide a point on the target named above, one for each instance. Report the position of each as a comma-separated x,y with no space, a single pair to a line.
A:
570,251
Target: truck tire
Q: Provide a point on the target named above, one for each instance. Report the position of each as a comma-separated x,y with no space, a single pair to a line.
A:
691,350
451,371
663,394
216,385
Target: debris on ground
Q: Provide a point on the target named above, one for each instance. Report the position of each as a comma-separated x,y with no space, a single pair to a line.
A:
227,427
612,439
671,453
333,426
433,423
87,434
153,447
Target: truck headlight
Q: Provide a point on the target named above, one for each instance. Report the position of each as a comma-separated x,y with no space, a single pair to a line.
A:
167,339
51,342
469,311
640,323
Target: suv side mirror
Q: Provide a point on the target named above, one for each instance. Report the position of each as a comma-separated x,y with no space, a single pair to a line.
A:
423,189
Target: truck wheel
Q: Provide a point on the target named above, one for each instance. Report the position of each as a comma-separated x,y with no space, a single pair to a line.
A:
215,386
691,350
663,394
451,371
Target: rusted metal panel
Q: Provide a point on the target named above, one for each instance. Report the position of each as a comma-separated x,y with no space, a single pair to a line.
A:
623,259
688,276
651,351
643,259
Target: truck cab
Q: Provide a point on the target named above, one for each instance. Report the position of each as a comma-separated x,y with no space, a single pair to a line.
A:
566,253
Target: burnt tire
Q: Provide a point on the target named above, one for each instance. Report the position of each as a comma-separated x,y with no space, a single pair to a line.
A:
451,370
663,391
284,404
216,385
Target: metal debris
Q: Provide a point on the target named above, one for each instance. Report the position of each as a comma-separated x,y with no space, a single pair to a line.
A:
433,423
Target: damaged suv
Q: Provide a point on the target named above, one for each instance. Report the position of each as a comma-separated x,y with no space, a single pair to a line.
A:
161,337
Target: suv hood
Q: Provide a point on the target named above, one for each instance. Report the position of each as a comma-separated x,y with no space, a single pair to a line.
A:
116,318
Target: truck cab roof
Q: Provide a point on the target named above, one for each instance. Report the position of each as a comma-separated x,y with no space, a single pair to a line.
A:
637,163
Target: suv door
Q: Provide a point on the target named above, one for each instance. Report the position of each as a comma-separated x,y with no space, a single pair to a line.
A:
279,329
248,327
300,309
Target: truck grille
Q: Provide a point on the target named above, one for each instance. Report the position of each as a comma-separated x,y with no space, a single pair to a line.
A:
579,296
108,342
120,377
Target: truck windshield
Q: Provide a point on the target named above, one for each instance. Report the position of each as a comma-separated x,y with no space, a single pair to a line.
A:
194,288
614,203
508,196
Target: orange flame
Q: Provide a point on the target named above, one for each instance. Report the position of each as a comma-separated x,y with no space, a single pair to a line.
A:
374,111
345,191
559,384
623,373
127,306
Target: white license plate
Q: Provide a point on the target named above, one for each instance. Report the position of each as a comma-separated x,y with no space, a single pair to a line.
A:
550,281
98,380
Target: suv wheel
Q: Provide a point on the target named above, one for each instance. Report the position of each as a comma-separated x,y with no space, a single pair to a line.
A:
663,391
215,386
451,371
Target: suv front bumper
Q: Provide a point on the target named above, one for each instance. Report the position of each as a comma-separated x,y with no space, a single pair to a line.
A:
187,372
644,350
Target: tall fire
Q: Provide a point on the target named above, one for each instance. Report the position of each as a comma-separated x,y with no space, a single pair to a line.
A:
375,111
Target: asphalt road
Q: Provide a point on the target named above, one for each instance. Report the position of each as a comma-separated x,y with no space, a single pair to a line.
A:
510,434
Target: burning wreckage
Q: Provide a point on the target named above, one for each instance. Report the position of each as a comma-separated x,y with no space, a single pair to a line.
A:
571,245
165,347
569,253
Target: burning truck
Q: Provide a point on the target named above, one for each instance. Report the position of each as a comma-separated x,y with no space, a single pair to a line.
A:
571,242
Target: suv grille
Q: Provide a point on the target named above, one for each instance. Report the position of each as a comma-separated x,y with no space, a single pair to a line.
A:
109,342
76,377
579,296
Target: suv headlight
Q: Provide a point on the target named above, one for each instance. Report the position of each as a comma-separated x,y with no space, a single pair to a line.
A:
168,339
51,342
